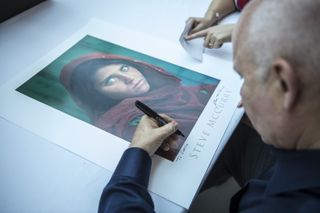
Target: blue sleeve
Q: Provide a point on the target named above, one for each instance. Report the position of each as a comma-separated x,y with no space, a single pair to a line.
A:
127,189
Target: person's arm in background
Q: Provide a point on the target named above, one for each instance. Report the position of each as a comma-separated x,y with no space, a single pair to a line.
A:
217,10
127,189
216,35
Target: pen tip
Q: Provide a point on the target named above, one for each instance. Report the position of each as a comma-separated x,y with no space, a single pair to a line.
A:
179,133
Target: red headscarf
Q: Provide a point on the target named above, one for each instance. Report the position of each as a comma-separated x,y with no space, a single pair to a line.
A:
167,95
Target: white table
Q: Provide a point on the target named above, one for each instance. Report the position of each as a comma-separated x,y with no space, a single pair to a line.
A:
36,175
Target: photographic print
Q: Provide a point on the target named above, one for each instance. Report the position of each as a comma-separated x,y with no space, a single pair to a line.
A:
81,97
98,82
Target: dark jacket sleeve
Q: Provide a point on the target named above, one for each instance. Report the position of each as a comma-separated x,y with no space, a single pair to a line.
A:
127,188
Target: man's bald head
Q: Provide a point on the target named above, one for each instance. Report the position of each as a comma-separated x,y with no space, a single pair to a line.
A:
288,29
277,51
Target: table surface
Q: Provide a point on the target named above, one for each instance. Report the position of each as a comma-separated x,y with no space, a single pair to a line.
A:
37,175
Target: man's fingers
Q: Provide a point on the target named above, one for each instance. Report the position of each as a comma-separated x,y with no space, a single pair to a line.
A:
167,130
166,117
148,121
149,136
144,118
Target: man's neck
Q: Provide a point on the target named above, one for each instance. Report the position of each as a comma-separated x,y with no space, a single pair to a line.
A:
309,139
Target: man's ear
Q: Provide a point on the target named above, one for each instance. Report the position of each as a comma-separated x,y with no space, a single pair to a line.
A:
289,82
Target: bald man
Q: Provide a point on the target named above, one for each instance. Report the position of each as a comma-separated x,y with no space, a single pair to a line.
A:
277,52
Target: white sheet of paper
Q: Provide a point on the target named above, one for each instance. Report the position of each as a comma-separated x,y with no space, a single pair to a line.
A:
177,181
195,46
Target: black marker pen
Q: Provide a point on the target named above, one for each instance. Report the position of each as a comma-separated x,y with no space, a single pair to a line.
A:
148,111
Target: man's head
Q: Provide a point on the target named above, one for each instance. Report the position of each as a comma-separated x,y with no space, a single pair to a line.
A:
277,52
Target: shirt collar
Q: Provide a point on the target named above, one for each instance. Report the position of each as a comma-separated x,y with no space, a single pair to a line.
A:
294,170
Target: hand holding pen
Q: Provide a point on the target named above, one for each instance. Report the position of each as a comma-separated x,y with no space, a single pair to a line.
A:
149,136
148,111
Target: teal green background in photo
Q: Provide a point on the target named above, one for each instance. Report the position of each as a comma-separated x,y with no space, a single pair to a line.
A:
45,86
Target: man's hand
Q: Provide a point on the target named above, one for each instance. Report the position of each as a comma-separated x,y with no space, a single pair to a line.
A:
149,136
214,36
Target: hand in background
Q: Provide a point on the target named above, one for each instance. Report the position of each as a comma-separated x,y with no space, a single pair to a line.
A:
214,36
149,136
216,11
201,23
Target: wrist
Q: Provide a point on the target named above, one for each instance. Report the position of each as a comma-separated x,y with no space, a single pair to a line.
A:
213,16
142,147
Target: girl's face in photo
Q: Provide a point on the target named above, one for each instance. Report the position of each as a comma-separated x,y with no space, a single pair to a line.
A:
119,81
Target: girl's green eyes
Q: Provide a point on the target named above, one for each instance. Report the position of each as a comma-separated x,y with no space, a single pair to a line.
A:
124,68
112,79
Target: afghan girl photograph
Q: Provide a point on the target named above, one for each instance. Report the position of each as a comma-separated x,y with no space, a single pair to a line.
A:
99,82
